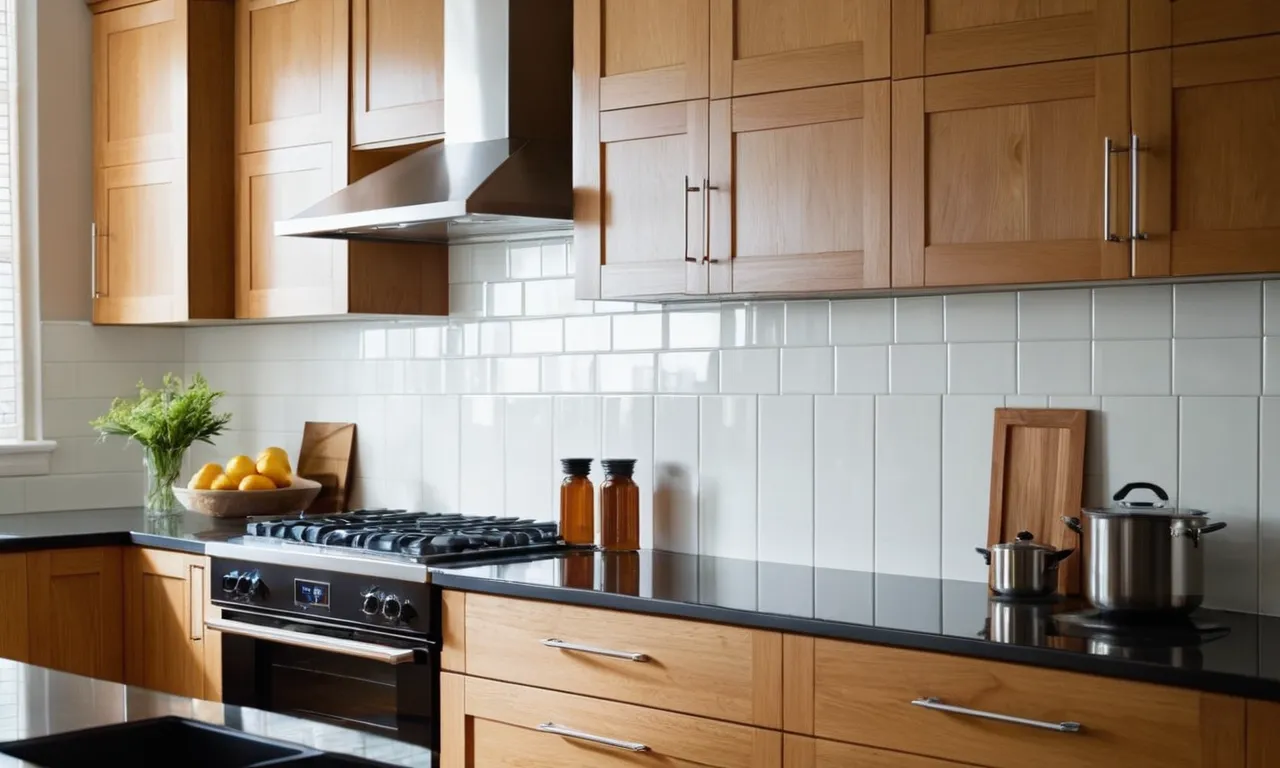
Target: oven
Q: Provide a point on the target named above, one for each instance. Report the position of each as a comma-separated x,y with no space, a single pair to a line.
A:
331,647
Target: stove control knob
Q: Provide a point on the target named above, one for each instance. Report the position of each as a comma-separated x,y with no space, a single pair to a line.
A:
250,584
229,582
391,607
371,602
407,613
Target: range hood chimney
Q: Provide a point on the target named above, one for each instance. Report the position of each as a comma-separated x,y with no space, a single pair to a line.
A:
505,166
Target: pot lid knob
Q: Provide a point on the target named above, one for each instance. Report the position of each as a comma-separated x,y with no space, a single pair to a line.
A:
1025,536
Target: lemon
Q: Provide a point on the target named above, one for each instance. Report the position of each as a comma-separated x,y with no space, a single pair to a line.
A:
257,483
276,469
239,467
277,453
203,479
223,483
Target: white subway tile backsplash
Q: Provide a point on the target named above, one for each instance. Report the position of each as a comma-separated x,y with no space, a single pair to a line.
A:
638,331
495,338
862,370
516,374
676,488
467,300
399,342
981,317
537,336
727,476
786,479
489,262
1139,441
807,323
568,373
689,372
576,433
468,376
460,264
1219,474
404,430
625,373
1271,308
918,320
918,369
1209,310
525,260
1133,312
482,455
808,370
1132,367
503,300
549,297
591,333
864,321
1269,507
693,329
555,257
527,463
13,495
1026,401
440,453
1055,315
844,482
967,426
751,325
1217,366
982,369
628,434
908,514
1271,362
749,371
1055,367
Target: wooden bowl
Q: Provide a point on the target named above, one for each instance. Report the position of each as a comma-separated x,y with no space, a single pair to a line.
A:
281,501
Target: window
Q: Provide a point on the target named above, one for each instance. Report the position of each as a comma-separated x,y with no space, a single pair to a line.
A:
10,388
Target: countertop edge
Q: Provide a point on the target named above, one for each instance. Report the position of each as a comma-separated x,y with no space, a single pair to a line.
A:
1050,658
35,543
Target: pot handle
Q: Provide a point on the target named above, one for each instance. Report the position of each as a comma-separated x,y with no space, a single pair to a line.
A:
1060,555
1073,523
1130,487
986,554
1211,527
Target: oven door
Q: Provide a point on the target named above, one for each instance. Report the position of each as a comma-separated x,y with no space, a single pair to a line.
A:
379,682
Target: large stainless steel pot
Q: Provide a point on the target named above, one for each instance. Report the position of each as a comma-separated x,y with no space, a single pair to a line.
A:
1144,557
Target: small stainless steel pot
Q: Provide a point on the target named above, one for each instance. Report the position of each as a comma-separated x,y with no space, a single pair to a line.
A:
1019,622
1144,557
1024,567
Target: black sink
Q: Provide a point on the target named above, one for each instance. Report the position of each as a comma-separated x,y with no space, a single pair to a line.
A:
164,741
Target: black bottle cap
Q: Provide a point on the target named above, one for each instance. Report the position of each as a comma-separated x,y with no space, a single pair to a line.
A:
576,466
619,467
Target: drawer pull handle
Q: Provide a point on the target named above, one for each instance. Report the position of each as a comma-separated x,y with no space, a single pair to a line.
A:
934,703
553,642
560,730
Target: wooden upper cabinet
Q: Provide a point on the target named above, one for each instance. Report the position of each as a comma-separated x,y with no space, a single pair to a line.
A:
292,66
165,594
799,190
139,83
139,211
644,51
937,36
76,610
758,46
397,76
1207,118
998,175
1162,23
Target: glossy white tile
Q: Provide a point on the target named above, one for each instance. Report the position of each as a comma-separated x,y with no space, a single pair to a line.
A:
1133,312
428,341
460,264
862,321
1271,307
1219,473
786,477
399,342
576,432
918,320
516,375
638,331
468,376
981,317
751,325
982,368
489,262
1215,310
1052,315
1269,508
568,373
403,441
966,482
495,338
625,373
808,370
503,300
440,453
1055,367
844,482
1217,366
1132,367
527,464
1026,401
727,484
1271,360
689,372
675,473
548,297
373,344
862,370
693,329
908,516
525,260
1139,441
467,300
749,371
537,336
918,369
482,455
807,323
628,434
555,259
590,333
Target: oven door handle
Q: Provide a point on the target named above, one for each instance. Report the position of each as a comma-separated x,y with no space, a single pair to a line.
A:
360,650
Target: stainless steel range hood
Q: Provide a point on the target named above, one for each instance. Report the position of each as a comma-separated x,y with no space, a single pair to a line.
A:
505,166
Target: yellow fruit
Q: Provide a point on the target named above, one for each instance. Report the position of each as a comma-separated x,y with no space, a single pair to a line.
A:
276,469
239,467
203,479
257,483
223,483
277,453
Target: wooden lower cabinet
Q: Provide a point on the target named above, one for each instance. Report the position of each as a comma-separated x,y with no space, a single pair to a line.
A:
76,611
165,644
806,752
1264,734
487,724
14,642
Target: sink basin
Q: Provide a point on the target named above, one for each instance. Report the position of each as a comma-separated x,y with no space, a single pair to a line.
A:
164,741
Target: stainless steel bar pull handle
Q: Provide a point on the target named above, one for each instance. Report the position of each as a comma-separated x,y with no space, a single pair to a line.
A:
933,702
1108,149
93,260
338,645
560,730
687,189
706,227
554,642
1134,234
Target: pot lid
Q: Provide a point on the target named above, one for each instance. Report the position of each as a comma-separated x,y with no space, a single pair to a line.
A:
1025,540
1126,507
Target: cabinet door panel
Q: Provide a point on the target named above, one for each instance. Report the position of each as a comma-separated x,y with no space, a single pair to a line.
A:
286,276
141,244
649,51
76,611
1161,23
998,176
759,46
14,640
1209,180
800,190
164,621
804,752
397,81
139,90
936,36
292,71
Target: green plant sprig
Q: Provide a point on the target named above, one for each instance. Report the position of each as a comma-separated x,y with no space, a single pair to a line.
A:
168,419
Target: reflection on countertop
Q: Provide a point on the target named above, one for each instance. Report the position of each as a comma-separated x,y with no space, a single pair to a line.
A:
185,531
1241,656
35,701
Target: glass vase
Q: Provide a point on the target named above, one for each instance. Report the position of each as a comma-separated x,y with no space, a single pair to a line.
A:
163,469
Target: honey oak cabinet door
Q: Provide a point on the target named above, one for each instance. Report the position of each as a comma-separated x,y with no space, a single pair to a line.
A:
76,611
1207,118
998,175
643,51
799,192
139,83
139,248
1161,23
291,70
758,46
1264,733
805,752
14,630
165,594
933,37
286,276
397,77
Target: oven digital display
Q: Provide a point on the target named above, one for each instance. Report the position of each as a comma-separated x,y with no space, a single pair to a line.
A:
311,593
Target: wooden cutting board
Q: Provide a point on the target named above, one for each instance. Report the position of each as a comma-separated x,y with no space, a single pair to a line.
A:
1037,476
325,457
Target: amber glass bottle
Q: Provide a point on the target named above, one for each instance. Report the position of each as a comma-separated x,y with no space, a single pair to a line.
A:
577,502
619,506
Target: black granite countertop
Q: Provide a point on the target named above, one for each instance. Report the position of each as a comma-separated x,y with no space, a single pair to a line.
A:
185,532
1233,653
35,701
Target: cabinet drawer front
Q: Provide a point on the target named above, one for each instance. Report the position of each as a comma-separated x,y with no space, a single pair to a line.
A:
505,720
863,694
804,752
703,669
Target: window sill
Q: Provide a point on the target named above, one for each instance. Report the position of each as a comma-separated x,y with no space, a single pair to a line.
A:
24,458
